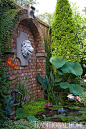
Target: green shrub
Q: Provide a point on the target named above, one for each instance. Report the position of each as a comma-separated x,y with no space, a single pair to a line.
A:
35,106
22,86
7,11
64,39
20,124
83,98
4,91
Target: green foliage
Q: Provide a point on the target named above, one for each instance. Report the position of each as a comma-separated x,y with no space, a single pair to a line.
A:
22,86
84,9
64,40
57,61
35,106
21,112
83,98
4,91
7,111
31,118
40,79
68,70
51,89
7,12
80,23
46,17
76,89
20,124
48,51
8,20
25,2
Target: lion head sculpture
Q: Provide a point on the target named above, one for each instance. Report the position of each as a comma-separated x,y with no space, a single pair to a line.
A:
26,49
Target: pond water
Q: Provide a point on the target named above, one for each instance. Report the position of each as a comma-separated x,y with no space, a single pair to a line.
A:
63,114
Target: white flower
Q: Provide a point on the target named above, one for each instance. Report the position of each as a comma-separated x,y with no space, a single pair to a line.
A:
70,96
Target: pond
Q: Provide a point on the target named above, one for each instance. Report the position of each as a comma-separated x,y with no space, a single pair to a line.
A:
63,114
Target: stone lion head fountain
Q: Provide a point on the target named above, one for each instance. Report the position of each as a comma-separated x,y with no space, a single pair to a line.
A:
26,48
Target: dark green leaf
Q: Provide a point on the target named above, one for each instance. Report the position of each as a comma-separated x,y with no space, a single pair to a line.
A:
59,72
64,85
76,89
58,80
7,76
21,113
32,118
40,79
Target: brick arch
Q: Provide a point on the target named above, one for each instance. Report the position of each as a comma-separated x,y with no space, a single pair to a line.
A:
33,25
37,62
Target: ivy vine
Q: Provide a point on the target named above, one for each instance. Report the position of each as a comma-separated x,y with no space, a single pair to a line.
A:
9,15
48,51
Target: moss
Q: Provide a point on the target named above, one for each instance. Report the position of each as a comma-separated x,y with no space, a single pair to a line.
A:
35,106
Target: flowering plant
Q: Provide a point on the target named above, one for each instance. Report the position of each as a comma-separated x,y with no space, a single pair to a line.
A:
70,96
47,105
11,65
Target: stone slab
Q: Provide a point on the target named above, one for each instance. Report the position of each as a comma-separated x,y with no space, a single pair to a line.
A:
41,54
22,37
61,125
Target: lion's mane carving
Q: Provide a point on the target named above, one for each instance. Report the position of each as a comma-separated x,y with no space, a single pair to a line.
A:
26,49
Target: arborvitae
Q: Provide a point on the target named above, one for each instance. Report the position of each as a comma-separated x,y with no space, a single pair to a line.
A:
64,38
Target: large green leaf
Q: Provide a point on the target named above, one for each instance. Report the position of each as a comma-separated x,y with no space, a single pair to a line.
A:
40,79
66,67
72,67
15,104
64,85
76,68
21,113
45,83
57,61
32,118
52,77
76,89
7,111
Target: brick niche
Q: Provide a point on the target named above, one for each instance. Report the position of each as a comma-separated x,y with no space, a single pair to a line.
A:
37,63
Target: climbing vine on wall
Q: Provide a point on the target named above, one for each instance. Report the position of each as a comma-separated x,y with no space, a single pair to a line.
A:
48,51
9,16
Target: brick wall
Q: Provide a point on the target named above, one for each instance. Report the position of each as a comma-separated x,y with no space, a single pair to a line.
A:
37,62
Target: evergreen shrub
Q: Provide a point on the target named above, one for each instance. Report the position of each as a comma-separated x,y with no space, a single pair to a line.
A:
64,39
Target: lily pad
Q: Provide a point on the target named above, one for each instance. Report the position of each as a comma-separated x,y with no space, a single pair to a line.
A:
76,89
76,68
66,67
32,118
64,85
21,113
57,61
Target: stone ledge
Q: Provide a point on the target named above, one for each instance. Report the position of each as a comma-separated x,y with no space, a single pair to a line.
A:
41,54
61,125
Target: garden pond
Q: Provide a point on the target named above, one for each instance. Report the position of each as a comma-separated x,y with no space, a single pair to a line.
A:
63,114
